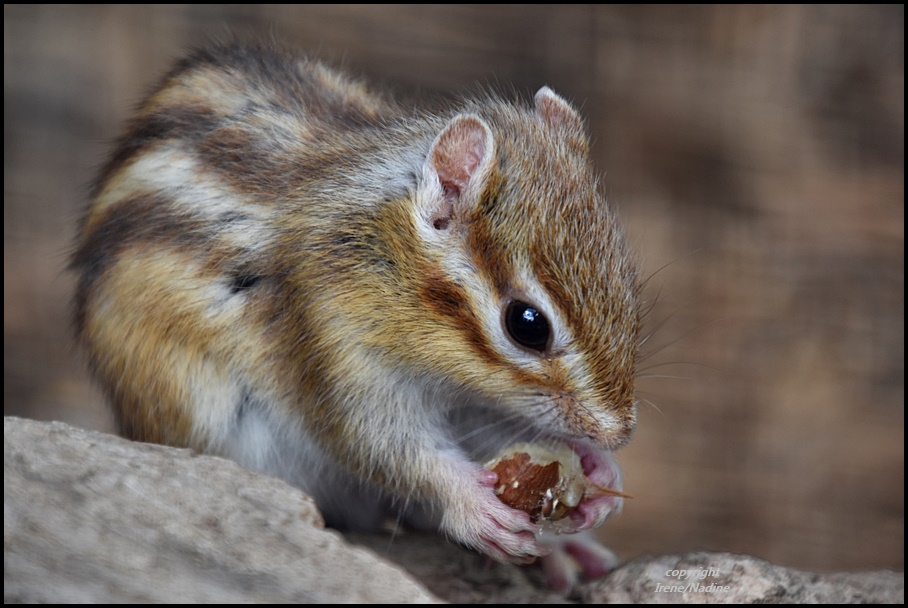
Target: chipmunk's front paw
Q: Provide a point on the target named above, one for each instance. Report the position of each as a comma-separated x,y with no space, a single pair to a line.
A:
574,556
600,467
480,520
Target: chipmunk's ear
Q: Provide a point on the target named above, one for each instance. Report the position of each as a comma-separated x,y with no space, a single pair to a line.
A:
555,110
457,169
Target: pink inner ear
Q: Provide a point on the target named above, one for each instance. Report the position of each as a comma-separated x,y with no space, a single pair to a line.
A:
554,109
458,154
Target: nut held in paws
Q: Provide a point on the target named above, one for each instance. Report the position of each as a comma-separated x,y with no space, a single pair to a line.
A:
544,480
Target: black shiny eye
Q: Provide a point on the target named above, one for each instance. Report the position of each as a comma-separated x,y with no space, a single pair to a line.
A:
527,326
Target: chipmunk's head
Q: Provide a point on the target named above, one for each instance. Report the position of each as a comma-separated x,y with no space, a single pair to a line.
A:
523,288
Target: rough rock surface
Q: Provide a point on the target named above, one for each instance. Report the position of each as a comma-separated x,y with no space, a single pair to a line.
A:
90,517
703,577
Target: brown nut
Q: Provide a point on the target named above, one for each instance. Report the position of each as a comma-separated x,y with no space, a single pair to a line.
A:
545,481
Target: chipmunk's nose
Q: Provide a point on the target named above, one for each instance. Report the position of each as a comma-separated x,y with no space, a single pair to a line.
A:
607,426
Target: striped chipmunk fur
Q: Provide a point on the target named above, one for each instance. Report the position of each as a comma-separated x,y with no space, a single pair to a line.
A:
282,266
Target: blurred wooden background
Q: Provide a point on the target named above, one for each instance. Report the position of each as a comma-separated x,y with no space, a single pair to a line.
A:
754,152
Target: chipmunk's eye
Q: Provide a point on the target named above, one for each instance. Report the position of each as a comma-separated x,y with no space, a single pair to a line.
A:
527,326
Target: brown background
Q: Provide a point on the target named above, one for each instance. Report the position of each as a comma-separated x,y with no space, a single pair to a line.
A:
756,153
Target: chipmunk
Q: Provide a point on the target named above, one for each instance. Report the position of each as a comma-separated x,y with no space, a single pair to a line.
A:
284,267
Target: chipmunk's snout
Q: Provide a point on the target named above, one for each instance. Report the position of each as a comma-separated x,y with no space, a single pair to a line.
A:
615,430
607,425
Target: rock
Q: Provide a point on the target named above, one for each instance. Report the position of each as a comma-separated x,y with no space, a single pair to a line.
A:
89,517
703,577
458,575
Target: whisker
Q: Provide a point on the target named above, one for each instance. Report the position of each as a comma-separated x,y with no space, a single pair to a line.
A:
510,417
653,331
645,312
681,337
666,265
655,365
528,427
653,405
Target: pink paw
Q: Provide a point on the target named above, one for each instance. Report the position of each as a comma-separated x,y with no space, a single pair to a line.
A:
479,520
572,557
601,468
